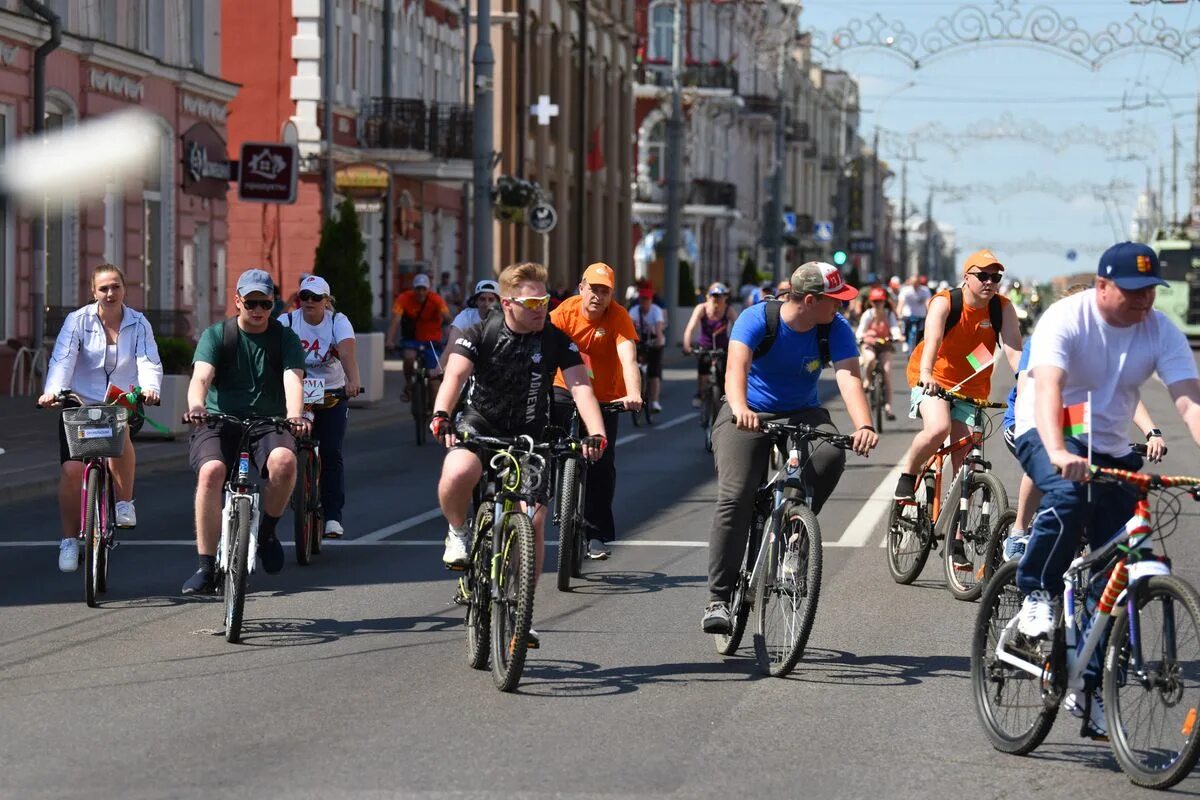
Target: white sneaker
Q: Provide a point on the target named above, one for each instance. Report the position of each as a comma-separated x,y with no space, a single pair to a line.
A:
68,555
458,548
696,401
333,529
656,407
126,515
1036,617
1075,701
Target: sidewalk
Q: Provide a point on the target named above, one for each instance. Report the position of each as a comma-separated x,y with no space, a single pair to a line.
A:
29,465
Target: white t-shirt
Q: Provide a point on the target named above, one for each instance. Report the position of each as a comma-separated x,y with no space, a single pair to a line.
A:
466,318
1112,363
645,328
914,301
320,345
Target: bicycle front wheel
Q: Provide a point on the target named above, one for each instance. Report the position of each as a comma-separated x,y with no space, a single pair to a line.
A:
1152,712
568,528
966,568
235,576
877,398
478,591
91,536
786,589
418,407
909,538
316,511
301,519
512,608
739,604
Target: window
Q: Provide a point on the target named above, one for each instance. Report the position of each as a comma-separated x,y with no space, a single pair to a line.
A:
656,151
157,244
135,29
59,223
107,9
114,224
155,29
354,62
196,31
662,31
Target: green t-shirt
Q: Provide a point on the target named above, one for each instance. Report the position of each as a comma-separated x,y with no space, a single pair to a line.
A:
249,391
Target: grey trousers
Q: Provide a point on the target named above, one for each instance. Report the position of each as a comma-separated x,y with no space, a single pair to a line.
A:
742,458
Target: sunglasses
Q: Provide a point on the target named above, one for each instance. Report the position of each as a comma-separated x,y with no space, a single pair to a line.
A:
531,303
258,305
308,296
988,277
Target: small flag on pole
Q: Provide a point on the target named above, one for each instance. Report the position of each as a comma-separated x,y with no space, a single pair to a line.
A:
1077,419
980,358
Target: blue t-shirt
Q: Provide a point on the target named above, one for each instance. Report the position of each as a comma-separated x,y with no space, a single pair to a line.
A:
1010,415
785,379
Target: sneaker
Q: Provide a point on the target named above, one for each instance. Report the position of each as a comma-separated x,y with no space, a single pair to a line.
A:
532,640
906,488
68,555
458,548
889,414
1014,545
1096,728
271,552
958,557
716,617
201,583
1036,617
333,529
656,407
596,550
696,401
126,515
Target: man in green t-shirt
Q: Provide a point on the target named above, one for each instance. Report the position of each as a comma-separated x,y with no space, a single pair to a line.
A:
262,376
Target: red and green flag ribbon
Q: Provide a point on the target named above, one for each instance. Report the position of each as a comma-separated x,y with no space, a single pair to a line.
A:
1077,420
980,358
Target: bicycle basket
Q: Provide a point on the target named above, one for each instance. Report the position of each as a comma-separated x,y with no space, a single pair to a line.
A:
95,431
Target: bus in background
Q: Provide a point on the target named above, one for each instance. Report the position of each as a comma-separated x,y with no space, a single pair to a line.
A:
1180,263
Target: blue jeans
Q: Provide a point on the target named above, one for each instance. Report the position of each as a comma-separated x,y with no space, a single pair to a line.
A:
1054,535
329,429
914,331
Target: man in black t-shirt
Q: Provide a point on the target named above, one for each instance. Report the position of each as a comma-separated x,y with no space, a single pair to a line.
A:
513,370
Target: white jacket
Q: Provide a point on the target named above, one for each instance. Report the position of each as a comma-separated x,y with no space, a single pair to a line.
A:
80,355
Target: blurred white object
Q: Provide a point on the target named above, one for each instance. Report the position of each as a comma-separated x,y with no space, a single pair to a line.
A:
81,160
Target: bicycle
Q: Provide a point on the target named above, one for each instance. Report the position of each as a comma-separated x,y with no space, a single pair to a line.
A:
710,399
1018,684
422,395
308,514
780,576
642,372
497,585
876,383
913,526
237,549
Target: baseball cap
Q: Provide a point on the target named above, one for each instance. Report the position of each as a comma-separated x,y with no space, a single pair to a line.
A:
421,281
646,291
718,288
315,284
255,280
981,259
483,287
600,273
877,294
1131,265
817,277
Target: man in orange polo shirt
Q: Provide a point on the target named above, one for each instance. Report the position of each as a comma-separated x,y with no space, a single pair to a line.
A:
419,314
605,336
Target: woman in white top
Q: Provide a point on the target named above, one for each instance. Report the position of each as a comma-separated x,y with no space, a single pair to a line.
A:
486,296
328,340
100,345
877,329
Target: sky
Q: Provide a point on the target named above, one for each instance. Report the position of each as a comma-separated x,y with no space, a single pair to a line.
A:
1088,134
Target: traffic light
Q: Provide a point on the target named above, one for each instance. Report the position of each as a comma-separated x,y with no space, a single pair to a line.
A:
839,257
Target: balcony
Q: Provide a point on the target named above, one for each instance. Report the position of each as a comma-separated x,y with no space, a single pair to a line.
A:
797,132
707,78
811,150
440,129
705,192
760,104
829,163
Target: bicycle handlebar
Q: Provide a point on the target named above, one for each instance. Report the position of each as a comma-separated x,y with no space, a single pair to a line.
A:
522,444
946,394
69,394
249,423
808,432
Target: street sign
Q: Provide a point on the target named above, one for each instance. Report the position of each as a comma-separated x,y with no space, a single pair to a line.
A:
789,223
542,218
863,245
823,230
267,172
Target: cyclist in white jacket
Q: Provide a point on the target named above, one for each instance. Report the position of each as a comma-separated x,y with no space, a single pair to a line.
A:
100,345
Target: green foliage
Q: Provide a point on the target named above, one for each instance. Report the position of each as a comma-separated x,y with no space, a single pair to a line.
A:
175,353
340,260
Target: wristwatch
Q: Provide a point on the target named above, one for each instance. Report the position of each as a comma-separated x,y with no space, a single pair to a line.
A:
1153,432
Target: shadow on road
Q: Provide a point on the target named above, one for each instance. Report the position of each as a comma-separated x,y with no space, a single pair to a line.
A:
299,631
821,665
633,582
568,679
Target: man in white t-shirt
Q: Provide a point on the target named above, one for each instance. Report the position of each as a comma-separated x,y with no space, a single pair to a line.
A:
912,307
1101,344
650,321
485,297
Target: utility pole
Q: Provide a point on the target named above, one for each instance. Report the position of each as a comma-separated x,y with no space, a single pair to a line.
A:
389,202
1174,175
674,169
581,137
775,214
908,272
485,62
39,218
327,99
930,266
877,208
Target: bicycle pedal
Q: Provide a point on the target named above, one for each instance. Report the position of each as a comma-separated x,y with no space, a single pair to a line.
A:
455,567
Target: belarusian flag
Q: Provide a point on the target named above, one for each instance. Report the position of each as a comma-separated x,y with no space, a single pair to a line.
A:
980,357
1077,419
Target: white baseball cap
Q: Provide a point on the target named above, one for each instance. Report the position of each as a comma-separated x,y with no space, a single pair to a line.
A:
482,287
315,284
421,281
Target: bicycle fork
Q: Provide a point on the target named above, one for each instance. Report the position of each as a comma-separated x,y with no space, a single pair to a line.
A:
240,486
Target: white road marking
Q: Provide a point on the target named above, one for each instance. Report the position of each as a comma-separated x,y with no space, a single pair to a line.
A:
359,542
679,420
629,437
866,523
403,525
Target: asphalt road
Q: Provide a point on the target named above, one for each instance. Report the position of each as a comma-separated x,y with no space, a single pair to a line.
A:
352,681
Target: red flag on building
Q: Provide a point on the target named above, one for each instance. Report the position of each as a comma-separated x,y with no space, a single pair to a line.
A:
595,154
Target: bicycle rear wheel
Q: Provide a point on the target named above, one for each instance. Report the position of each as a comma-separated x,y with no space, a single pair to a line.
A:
986,499
316,511
568,528
909,537
235,576
301,519
1016,708
993,554
786,590
512,610
1152,717
418,407
91,536
739,604
478,584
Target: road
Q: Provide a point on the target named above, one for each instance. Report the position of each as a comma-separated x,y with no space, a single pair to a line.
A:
352,682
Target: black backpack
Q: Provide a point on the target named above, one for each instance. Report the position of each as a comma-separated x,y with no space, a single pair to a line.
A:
228,359
768,340
995,312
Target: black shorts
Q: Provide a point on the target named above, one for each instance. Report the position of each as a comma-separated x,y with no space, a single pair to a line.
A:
653,357
220,443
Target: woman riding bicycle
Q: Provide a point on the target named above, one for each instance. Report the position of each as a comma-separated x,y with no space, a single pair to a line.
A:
877,329
715,317
329,347
100,345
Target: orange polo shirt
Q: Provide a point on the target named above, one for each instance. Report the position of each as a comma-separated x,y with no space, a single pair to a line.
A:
429,320
951,366
597,342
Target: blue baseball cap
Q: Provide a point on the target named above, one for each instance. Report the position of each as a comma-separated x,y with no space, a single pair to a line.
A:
255,280
1131,266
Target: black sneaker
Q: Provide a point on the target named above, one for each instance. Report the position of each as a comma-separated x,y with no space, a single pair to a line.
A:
271,553
201,583
716,617
906,487
958,557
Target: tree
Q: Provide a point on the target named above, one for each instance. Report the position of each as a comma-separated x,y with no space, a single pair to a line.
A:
340,261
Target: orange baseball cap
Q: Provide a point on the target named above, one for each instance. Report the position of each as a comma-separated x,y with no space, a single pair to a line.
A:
600,273
981,259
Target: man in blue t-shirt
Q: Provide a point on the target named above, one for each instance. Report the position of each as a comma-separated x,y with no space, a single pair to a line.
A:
779,385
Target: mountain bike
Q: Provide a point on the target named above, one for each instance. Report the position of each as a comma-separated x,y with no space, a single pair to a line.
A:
1148,674
710,399
646,412
237,549
876,383
950,515
308,515
497,585
423,393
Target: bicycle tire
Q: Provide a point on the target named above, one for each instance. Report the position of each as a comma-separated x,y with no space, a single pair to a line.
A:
106,541
1161,765
568,528
418,407
739,603
994,553
301,522
795,598
993,681
479,600
877,398
987,497
580,525
235,576
316,509
909,537
512,610
91,536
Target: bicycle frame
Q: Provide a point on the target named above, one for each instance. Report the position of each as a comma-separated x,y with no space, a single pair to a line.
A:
240,484
936,463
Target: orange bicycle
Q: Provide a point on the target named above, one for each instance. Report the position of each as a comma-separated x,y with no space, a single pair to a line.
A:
962,514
